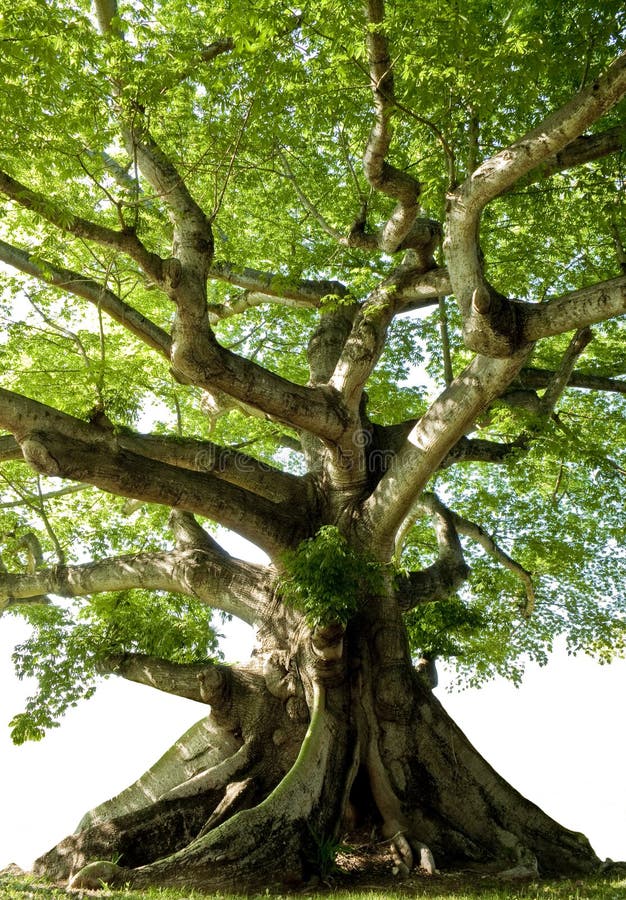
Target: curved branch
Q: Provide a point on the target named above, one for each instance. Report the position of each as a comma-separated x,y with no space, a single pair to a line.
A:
269,525
235,375
492,324
446,575
554,134
382,176
477,533
228,689
404,289
414,288
193,237
189,534
364,345
125,241
478,450
92,291
447,420
198,358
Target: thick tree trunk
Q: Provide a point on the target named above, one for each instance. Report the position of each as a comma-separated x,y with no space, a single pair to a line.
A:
466,812
226,809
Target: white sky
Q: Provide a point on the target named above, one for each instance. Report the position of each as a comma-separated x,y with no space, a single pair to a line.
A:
559,739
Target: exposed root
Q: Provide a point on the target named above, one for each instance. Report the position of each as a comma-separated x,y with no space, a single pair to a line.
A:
94,875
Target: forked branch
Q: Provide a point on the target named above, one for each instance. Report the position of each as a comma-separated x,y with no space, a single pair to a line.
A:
492,324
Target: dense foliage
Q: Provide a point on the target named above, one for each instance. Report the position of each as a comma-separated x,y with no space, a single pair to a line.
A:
269,138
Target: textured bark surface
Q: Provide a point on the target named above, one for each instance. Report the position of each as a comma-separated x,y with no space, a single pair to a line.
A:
287,765
330,724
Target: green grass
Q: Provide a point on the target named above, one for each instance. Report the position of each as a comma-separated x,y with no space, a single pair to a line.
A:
446,887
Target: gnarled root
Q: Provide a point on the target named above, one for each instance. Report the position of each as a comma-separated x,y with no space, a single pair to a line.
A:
468,813
276,841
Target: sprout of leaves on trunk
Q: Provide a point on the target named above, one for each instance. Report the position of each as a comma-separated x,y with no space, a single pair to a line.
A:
325,578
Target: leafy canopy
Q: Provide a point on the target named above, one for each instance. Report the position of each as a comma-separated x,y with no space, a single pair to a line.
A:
269,137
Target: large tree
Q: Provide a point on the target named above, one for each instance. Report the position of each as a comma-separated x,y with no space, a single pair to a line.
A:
345,280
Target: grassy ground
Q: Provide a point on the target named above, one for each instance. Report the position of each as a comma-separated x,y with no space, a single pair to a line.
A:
458,886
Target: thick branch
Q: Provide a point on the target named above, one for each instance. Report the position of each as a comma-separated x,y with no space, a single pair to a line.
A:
493,325
193,235
233,586
575,310
382,176
125,241
584,149
233,466
447,574
197,357
440,428
89,290
479,450
229,690
269,286
268,524
189,534
533,377
416,289
60,445
553,135
9,448
235,375
173,678
364,344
